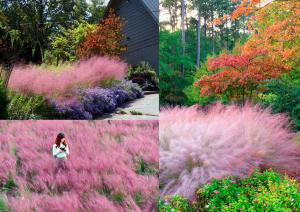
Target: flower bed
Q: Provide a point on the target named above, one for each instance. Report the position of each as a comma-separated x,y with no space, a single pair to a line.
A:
93,102
262,191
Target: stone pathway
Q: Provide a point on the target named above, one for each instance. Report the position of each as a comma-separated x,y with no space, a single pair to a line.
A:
146,108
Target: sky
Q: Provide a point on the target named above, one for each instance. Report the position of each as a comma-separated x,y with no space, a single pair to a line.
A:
164,15
106,1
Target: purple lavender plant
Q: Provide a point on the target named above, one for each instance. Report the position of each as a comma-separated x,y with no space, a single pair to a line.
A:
99,100
133,89
92,102
120,94
72,110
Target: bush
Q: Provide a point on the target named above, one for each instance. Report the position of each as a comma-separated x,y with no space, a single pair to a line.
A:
133,90
3,101
63,44
175,203
3,207
143,75
284,98
71,110
89,73
93,102
198,145
101,170
193,93
105,40
171,87
22,107
267,191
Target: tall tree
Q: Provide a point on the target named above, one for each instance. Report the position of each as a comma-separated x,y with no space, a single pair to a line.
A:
198,38
271,51
199,5
33,21
105,40
183,10
172,6
240,75
96,10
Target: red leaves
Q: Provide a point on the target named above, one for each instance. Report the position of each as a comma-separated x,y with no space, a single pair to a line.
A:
238,75
106,40
227,60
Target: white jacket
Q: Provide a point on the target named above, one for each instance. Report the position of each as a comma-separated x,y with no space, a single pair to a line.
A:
58,153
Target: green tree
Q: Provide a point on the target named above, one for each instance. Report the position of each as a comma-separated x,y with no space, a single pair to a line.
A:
96,11
34,21
63,45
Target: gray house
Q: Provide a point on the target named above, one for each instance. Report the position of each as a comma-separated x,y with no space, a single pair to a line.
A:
141,29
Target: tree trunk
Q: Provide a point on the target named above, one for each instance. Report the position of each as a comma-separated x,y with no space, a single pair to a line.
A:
205,26
186,23
212,29
198,39
171,19
183,32
175,13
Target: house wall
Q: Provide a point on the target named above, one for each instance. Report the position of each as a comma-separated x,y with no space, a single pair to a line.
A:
142,32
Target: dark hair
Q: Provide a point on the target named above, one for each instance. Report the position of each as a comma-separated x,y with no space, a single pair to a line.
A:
59,137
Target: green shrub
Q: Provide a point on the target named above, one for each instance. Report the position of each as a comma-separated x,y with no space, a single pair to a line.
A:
144,168
175,203
267,191
138,198
3,207
144,75
23,107
64,43
10,183
109,83
118,197
171,86
283,97
3,101
193,93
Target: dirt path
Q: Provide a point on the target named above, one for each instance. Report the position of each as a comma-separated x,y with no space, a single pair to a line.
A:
146,108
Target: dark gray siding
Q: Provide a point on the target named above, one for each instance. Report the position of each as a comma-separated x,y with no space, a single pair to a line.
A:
141,30
153,7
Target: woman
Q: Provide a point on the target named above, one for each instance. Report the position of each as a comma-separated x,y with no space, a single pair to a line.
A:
60,151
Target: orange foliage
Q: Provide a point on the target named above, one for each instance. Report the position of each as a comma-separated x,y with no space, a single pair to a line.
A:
279,36
105,40
271,51
240,75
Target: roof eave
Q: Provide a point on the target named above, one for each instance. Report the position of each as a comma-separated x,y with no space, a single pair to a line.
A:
111,3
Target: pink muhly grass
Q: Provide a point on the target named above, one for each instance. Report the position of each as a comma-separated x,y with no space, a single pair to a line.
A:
92,72
198,145
102,164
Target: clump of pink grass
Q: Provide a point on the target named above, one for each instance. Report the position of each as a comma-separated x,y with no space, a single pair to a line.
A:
89,73
103,162
198,145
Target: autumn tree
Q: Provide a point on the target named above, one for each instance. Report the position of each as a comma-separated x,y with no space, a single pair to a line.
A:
272,50
106,40
274,26
276,30
238,76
